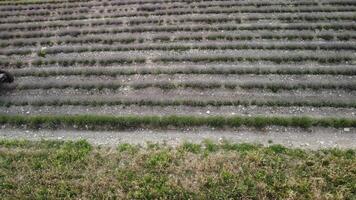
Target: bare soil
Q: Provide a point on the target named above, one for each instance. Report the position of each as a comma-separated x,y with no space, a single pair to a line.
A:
314,138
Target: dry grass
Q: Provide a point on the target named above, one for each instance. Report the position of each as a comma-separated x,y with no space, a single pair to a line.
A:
58,170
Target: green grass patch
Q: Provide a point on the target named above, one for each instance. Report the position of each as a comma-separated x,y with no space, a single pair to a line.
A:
78,170
97,122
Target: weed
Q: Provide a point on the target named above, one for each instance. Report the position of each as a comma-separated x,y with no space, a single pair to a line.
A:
42,53
210,146
71,152
132,149
191,147
277,148
160,159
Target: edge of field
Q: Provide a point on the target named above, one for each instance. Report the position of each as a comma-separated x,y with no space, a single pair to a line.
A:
57,169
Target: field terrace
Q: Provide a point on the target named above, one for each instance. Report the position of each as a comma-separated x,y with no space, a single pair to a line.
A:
210,60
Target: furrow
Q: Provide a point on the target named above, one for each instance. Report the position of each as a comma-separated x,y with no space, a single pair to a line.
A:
143,110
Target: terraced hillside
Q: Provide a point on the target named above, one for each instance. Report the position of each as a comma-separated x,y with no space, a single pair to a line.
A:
223,63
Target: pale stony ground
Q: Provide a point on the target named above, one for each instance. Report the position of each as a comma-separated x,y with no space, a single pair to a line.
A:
313,138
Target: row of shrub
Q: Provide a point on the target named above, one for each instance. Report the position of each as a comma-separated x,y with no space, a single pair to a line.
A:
348,71
211,19
63,12
186,47
196,85
240,4
181,37
182,12
54,4
58,25
93,122
277,36
97,16
45,13
195,28
252,85
113,8
330,59
275,59
181,47
173,21
188,102
88,4
19,3
91,2
106,3
295,86
81,40
72,62
153,7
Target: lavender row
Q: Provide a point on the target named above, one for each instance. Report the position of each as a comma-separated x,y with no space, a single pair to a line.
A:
196,28
308,17
115,7
214,10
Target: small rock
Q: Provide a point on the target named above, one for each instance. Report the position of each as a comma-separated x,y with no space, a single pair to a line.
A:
208,112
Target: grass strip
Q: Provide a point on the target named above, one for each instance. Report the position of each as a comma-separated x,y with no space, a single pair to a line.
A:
97,122
192,103
79,170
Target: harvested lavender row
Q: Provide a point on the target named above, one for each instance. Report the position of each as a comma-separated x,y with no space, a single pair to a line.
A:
158,58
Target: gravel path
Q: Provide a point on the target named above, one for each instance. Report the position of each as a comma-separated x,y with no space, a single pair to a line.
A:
181,110
314,138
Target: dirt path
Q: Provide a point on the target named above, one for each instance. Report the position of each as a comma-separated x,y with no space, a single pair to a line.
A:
314,138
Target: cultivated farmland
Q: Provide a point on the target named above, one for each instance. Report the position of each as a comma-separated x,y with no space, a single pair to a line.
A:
179,64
